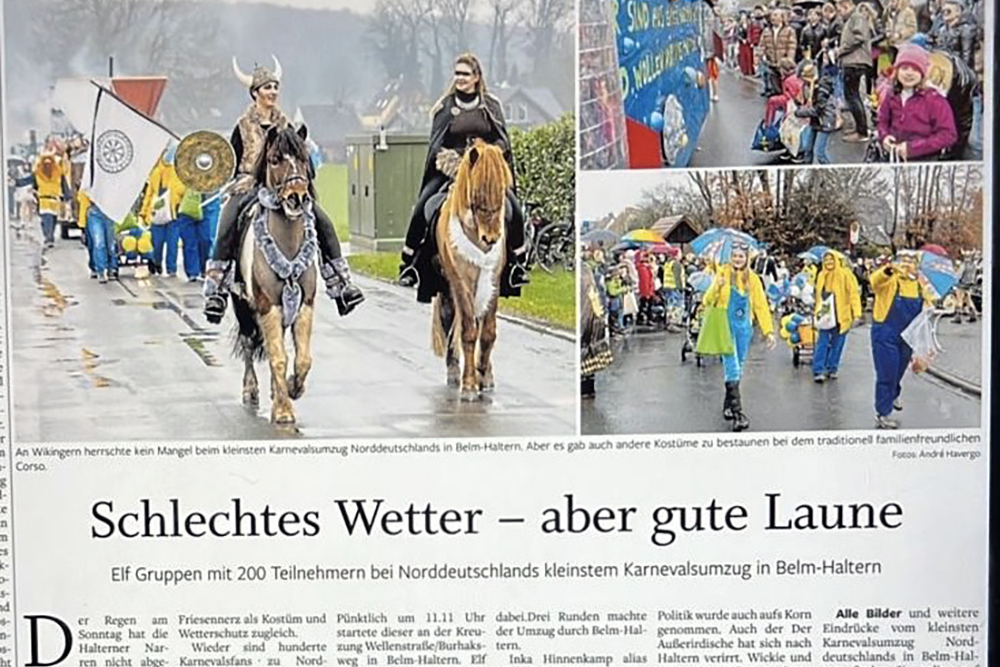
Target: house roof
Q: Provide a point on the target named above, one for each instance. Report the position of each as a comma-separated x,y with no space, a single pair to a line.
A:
665,226
543,98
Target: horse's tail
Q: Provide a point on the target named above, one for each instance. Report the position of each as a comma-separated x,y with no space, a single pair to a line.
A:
248,339
439,337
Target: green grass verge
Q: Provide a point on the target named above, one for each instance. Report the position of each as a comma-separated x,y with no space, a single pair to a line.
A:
550,298
331,186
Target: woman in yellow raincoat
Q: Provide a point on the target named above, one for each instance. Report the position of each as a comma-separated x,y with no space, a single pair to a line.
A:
165,186
741,292
838,306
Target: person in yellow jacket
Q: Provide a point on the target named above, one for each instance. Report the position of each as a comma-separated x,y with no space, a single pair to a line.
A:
50,179
160,202
838,302
899,298
741,292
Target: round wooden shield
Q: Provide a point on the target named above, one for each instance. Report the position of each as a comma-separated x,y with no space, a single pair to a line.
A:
205,161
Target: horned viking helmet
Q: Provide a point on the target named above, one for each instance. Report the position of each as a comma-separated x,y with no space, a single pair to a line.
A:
261,75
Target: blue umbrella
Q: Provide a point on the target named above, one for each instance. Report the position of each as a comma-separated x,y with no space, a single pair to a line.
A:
718,243
937,274
700,281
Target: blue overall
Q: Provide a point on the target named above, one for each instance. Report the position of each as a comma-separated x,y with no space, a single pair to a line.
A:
890,351
829,348
741,328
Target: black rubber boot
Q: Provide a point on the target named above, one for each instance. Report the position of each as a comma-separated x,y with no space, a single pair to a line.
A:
740,421
727,403
407,269
337,276
218,276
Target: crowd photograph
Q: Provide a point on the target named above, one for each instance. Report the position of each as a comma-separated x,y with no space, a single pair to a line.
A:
783,82
792,299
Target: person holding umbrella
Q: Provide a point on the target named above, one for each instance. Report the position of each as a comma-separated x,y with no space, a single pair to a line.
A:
838,307
899,299
740,293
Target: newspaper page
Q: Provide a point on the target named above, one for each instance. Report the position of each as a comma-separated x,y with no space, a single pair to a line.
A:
495,332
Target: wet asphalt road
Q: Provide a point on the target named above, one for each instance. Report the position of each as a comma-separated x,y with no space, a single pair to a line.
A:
649,390
728,131
136,360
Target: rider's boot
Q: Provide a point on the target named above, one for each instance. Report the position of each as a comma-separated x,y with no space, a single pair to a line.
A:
407,267
519,274
337,276
218,276
740,420
727,402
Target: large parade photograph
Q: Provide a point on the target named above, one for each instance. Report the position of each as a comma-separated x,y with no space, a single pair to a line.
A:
731,83
782,299
259,220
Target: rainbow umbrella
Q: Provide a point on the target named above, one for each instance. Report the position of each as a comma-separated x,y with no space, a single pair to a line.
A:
643,236
717,243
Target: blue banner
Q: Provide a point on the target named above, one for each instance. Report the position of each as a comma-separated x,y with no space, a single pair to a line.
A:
661,56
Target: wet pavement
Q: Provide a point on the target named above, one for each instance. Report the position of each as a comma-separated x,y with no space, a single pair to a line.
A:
963,349
729,129
649,390
136,360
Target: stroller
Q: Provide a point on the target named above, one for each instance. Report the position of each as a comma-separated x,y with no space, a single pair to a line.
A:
697,284
798,329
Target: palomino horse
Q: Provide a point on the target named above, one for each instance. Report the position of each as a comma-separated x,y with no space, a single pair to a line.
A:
470,243
278,272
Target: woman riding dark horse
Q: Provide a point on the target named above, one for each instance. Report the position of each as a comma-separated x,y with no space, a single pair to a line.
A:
248,141
467,112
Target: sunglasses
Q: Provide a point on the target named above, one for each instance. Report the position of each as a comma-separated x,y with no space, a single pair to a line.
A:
461,73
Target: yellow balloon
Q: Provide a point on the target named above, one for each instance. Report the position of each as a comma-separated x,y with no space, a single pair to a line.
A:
145,244
129,243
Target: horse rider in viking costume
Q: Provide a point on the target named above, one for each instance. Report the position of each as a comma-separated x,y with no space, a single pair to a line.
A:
466,112
248,141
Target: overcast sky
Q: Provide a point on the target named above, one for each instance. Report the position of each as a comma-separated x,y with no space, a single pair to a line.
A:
360,6
601,192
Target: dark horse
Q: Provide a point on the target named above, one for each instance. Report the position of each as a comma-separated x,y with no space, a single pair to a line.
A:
277,272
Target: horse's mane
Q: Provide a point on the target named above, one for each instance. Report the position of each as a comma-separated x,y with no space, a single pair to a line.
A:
288,142
491,176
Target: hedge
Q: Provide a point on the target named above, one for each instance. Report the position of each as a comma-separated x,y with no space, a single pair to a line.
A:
545,159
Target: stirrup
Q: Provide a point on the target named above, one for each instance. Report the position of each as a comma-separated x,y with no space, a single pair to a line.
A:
215,307
337,276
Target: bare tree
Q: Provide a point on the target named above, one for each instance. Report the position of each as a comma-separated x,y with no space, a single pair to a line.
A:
544,20
502,13
396,27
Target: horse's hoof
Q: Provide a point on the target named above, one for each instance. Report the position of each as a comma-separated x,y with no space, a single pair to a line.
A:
283,418
469,395
487,388
295,389
454,381
251,398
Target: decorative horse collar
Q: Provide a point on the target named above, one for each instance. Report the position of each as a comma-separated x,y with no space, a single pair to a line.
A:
288,270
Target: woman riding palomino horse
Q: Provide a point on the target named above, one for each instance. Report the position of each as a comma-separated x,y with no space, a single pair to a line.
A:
277,268
470,241
467,112
248,139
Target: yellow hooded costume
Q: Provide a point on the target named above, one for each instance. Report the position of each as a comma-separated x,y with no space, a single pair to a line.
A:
836,278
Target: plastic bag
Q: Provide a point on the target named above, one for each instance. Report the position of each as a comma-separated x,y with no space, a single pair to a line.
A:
826,317
715,337
919,335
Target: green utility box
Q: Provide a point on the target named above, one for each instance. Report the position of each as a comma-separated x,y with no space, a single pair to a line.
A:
383,180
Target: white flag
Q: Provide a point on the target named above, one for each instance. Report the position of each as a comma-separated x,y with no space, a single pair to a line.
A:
124,148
